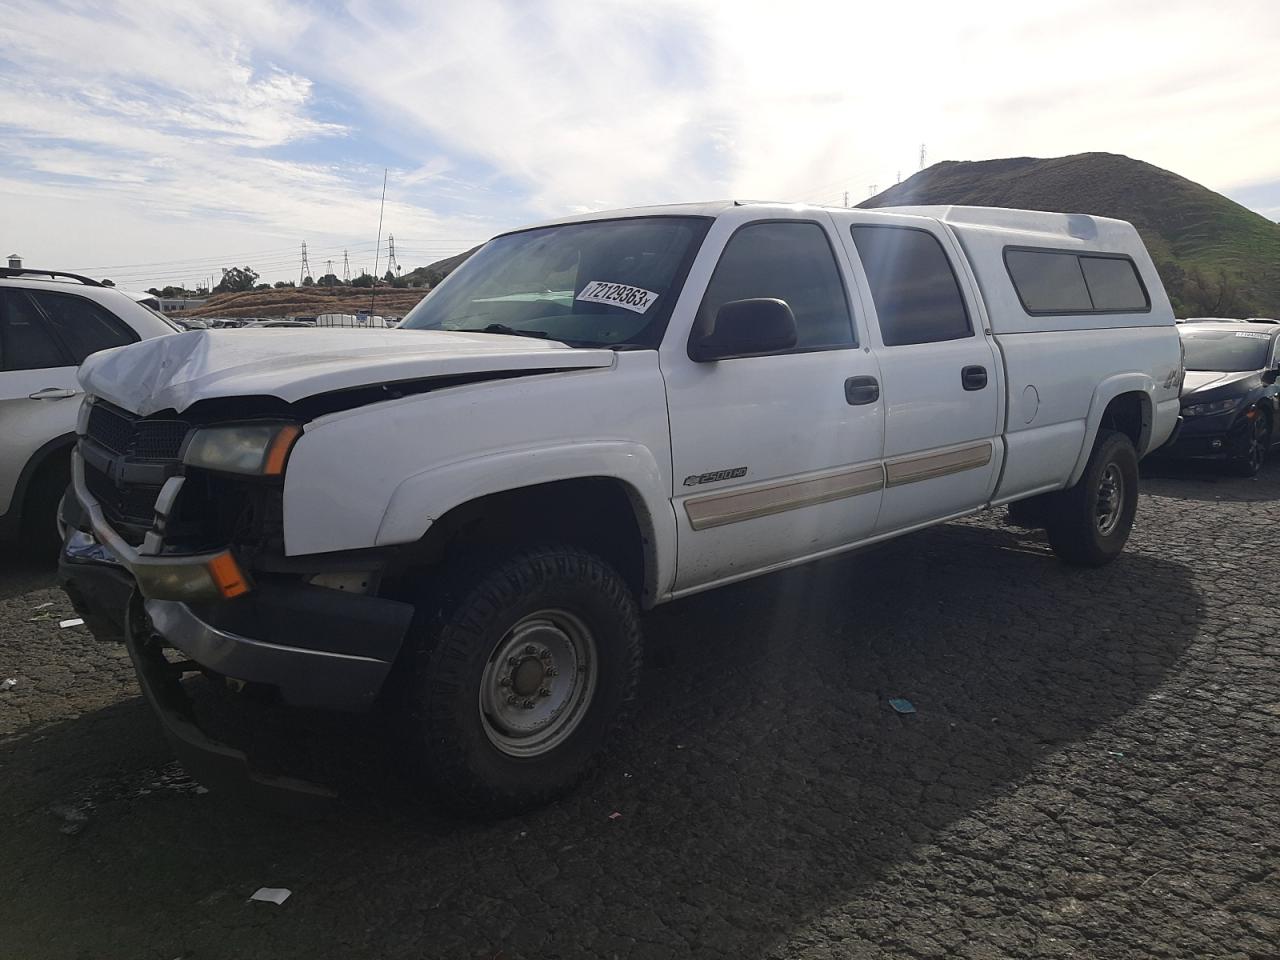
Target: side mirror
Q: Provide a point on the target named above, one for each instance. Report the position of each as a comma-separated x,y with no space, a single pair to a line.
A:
1269,376
746,328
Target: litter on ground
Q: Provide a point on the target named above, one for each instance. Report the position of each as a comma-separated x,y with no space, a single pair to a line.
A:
73,622
276,895
901,705
8,684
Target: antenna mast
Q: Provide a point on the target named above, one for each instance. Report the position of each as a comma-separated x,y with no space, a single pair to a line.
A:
377,249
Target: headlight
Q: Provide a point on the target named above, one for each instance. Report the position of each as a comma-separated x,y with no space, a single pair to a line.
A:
1208,409
255,449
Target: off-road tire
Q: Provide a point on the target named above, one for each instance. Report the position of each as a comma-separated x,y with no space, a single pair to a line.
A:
1073,517
471,617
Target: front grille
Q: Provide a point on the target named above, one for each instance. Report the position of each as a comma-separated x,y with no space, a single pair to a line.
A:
132,506
135,437
151,445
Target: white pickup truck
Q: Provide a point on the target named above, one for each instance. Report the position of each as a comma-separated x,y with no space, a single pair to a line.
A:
584,420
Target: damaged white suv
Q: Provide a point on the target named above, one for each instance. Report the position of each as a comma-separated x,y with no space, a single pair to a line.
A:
586,419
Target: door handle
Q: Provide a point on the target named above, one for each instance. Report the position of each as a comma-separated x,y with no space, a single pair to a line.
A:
51,393
974,377
859,391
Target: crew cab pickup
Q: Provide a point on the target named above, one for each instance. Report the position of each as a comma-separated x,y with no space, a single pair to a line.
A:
588,418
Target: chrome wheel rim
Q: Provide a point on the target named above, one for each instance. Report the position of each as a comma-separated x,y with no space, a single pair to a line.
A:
1110,499
538,683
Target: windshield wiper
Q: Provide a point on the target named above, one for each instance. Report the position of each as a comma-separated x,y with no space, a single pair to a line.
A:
511,331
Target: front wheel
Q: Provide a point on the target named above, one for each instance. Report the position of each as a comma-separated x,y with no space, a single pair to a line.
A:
1252,446
1089,523
522,676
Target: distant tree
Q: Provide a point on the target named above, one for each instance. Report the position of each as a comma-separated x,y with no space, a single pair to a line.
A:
328,280
1212,296
262,286
389,277
154,292
108,283
284,284
237,280
307,281
364,280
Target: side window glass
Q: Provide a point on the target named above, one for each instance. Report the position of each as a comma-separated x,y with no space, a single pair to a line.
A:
1113,284
790,261
25,342
1048,282
915,291
83,326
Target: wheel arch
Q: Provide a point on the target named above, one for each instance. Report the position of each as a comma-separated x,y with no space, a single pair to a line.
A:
45,456
577,493
1125,403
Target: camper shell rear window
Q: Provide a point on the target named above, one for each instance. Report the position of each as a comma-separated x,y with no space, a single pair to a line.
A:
1058,282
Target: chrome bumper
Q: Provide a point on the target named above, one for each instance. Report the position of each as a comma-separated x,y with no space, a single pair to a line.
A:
159,576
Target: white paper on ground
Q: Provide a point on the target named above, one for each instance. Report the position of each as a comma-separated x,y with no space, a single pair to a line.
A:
276,895
70,623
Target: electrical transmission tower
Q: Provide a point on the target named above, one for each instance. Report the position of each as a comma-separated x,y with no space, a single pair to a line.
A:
306,266
346,269
392,263
923,154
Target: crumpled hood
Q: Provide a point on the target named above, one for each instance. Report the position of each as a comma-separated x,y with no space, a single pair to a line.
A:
177,371
1204,379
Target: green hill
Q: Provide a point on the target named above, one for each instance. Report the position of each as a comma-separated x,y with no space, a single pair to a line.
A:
433,273
1216,257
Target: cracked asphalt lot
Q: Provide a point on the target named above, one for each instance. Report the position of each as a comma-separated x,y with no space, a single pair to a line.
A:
1092,772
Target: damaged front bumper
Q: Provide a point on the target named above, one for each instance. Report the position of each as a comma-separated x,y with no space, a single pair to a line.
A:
315,646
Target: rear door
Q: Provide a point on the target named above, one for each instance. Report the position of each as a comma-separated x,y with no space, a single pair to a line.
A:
938,369
38,388
775,457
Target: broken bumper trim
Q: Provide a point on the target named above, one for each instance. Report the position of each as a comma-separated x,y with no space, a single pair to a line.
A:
305,677
210,762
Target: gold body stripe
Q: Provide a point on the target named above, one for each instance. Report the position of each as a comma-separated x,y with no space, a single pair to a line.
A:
927,466
735,505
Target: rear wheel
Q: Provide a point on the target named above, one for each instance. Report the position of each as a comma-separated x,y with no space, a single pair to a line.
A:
1089,523
1253,444
522,675
41,533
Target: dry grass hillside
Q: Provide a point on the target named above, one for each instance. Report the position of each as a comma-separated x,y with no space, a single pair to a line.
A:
308,302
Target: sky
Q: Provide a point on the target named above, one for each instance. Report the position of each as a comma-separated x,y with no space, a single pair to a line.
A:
155,143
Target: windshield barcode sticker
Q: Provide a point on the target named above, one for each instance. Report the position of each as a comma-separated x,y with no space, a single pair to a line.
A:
618,295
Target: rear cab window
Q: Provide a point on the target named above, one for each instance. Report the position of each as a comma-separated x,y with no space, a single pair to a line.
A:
913,285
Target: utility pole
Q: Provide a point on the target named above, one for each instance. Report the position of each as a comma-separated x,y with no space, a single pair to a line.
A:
846,198
923,154
306,267
871,190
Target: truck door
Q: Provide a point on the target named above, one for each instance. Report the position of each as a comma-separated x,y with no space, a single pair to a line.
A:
939,373
776,458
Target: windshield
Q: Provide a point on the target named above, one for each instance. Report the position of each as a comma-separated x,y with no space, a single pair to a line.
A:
600,283
1226,351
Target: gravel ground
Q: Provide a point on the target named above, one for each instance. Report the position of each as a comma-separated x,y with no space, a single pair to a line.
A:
1092,771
